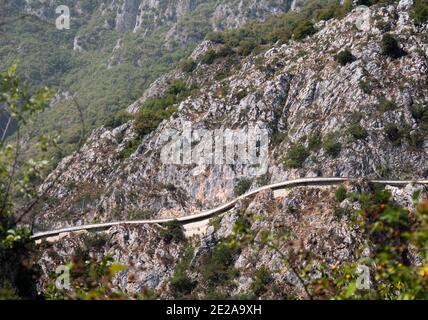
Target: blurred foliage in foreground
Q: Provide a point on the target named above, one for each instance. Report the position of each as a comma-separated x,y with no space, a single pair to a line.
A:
90,278
18,177
395,253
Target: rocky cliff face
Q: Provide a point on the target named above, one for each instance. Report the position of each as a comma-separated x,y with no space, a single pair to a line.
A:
300,95
145,15
125,43
296,92
139,14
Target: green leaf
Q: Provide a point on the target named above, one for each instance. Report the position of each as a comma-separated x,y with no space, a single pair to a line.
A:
350,290
116,267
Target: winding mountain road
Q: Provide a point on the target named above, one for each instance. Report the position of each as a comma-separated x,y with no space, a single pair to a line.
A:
223,208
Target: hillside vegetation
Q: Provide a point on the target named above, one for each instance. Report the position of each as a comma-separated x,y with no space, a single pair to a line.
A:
110,55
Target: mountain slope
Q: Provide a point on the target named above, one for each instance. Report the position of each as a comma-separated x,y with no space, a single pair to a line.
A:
362,119
112,52
354,114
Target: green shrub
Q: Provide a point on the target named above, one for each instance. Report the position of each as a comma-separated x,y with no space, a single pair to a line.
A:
187,65
357,131
140,214
304,28
331,146
217,266
176,87
385,105
281,27
208,57
393,133
296,156
130,148
384,26
390,47
160,103
315,141
365,86
173,232
215,294
217,37
262,279
332,10
417,138
246,47
155,110
278,138
148,120
260,63
94,241
340,194
224,51
344,57
420,113
181,284
121,117
242,186
420,12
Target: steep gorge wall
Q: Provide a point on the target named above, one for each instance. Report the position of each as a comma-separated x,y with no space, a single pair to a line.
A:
294,91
